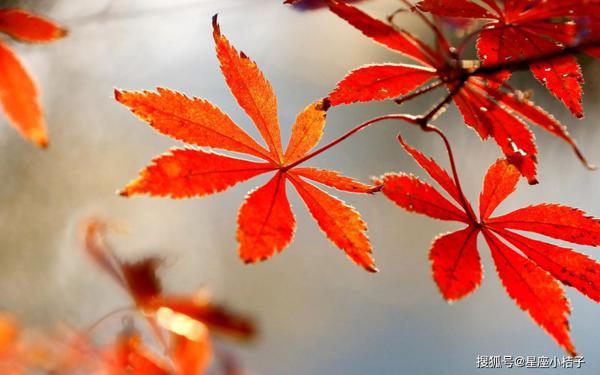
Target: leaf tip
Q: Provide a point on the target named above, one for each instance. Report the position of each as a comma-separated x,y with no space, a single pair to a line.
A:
125,192
324,105
215,25
41,140
118,95
38,136
60,33
372,268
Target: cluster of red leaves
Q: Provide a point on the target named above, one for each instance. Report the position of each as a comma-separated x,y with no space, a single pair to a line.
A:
18,93
547,33
189,320
480,92
266,223
521,30
28,351
530,278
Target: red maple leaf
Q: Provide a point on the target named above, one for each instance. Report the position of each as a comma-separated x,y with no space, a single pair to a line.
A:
528,29
530,277
18,93
485,104
265,222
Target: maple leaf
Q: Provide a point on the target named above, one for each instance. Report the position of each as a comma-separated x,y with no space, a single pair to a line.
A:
266,223
18,93
532,277
485,106
521,29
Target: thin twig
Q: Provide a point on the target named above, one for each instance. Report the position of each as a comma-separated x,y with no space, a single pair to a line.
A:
464,202
347,135
419,92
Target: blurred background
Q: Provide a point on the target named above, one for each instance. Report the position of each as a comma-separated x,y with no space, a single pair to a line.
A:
318,312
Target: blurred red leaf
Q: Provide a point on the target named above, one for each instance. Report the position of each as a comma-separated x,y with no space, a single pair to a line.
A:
142,283
128,355
28,27
191,357
18,93
189,319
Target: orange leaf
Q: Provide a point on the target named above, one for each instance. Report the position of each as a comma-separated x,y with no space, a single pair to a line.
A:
341,223
307,130
334,179
553,220
19,98
251,89
500,182
417,196
380,82
266,223
190,120
28,27
183,173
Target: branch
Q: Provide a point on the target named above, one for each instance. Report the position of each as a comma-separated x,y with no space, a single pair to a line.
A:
353,131
524,63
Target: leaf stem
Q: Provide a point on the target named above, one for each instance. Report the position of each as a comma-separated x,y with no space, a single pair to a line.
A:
109,315
524,63
350,133
432,114
414,94
464,202
436,30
